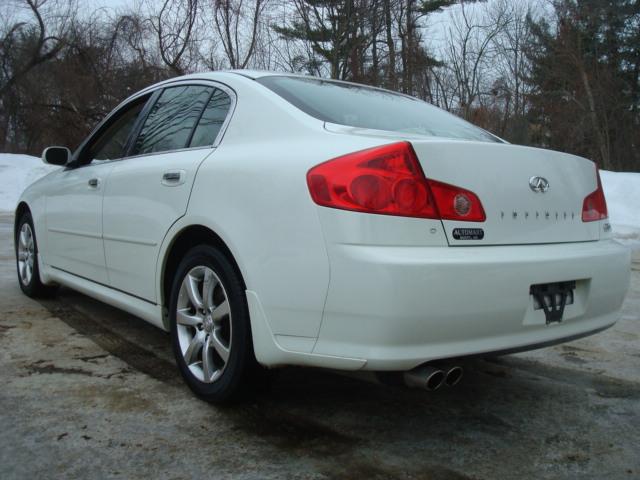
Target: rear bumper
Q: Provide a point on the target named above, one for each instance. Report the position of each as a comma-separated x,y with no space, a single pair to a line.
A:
397,306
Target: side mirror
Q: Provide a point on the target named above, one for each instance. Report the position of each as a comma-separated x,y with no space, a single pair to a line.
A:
56,155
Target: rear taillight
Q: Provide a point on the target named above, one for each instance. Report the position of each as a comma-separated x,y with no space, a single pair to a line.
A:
388,180
594,206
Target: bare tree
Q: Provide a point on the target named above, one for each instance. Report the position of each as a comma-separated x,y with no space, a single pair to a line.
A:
469,52
238,24
391,45
175,26
512,65
49,19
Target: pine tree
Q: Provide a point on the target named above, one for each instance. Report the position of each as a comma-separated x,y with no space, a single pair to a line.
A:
585,73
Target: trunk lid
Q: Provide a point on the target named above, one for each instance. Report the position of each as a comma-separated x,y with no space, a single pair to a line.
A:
500,175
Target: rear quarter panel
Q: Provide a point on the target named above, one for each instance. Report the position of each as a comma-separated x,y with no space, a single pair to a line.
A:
252,192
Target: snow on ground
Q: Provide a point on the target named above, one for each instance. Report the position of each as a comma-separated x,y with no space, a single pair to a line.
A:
17,172
622,190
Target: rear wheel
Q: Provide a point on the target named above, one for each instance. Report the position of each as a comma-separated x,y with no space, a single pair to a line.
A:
27,260
210,327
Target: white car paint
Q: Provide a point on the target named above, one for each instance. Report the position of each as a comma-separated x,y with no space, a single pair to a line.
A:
334,288
73,221
138,209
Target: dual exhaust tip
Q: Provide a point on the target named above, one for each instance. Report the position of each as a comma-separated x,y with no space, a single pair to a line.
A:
431,377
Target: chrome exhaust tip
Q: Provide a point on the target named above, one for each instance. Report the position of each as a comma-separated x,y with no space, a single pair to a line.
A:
425,377
453,376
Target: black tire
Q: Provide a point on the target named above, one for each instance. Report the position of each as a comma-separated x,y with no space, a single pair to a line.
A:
32,287
241,370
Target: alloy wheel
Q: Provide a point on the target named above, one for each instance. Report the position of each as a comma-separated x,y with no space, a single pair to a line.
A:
203,320
26,254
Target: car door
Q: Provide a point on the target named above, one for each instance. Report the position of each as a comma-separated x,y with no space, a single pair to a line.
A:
148,191
74,200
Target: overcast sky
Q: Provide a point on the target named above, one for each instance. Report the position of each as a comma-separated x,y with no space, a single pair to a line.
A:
437,22
94,4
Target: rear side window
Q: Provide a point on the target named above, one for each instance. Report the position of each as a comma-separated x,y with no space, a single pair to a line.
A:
171,119
212,119
366,107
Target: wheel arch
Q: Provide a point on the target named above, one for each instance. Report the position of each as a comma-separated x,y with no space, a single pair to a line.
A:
185,239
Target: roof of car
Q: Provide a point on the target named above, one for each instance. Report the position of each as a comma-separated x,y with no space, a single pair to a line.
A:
258,73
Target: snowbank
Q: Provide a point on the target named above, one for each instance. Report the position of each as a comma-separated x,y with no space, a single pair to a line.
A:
622,190
17,172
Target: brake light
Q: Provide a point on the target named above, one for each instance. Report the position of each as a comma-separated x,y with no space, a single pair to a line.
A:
388,180
594,206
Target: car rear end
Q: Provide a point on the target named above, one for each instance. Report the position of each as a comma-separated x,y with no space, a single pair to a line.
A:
447,247
535,271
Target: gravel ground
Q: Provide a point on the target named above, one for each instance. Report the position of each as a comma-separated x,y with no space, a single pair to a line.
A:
88,391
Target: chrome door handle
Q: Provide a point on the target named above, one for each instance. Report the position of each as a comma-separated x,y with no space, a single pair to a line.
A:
94,182
173,178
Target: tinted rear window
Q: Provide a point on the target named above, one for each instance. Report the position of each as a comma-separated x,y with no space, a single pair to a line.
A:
211,120
366,107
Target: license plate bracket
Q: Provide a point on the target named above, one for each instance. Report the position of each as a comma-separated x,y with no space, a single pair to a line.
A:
553,298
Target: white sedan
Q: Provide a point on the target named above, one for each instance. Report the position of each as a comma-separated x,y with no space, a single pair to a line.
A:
268,219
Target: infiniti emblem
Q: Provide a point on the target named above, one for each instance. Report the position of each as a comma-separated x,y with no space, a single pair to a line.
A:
538,184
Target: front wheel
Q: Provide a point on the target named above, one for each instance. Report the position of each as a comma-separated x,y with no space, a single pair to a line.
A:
27,260
210,327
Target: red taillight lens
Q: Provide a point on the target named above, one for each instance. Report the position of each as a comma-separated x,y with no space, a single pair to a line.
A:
388,180
594,206
455,203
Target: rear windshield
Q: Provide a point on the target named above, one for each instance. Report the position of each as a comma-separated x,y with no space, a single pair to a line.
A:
366,107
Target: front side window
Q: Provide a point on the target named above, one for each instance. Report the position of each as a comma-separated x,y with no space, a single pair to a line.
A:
172,119
111,142
366,107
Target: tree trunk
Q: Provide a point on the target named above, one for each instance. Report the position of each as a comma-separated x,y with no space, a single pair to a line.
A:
391,46
593,115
